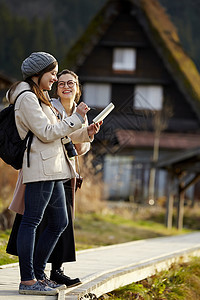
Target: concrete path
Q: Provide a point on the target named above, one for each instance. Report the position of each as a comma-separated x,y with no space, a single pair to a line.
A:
104,269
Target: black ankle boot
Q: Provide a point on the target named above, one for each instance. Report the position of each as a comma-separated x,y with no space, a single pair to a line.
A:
59,277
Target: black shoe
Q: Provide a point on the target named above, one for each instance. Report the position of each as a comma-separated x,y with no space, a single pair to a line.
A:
59,277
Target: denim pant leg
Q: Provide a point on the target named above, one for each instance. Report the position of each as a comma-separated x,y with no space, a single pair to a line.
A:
38,195
57,222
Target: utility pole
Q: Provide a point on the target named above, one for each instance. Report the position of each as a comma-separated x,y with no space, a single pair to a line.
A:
160,121
152,175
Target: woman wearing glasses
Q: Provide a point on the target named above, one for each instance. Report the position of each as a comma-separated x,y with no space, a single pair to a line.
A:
77,143
67,96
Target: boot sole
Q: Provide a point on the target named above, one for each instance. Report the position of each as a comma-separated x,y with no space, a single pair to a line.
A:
75,284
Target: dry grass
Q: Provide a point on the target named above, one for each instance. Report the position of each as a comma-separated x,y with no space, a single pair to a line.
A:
180,282
8,178
89,197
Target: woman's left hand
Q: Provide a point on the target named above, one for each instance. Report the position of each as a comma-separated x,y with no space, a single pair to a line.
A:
94,128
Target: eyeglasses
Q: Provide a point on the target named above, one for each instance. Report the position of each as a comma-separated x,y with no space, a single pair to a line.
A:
69,83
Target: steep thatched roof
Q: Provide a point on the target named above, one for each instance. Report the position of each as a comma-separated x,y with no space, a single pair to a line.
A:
165,38
163,35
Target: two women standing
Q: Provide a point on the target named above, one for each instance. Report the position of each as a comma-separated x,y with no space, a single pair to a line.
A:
50,165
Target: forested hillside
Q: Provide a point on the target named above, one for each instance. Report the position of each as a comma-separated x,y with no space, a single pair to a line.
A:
40,25
54,25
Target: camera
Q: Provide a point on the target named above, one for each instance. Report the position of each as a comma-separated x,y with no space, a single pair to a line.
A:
79,182
69,147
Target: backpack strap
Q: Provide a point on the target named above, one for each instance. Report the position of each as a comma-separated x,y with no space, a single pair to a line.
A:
22,93
30,139
29,135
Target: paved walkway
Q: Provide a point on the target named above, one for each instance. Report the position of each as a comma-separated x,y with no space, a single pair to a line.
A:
104,269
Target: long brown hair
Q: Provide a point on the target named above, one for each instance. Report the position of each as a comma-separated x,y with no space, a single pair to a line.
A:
78,92
34,87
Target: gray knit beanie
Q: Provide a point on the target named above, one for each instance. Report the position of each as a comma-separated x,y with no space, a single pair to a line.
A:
35,63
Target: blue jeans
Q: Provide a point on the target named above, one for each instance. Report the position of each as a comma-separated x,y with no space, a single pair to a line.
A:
40,196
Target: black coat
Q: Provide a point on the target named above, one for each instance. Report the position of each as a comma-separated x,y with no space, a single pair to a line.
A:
64,250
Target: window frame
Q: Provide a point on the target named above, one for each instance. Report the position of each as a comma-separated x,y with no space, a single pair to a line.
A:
124,64
95,89
149,105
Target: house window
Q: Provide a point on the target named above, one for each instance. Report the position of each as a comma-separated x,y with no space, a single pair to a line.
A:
97,94
148,97
124,59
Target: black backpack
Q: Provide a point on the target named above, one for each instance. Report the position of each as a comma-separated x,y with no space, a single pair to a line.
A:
12,147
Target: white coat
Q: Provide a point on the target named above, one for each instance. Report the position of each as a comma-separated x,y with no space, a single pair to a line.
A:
48,160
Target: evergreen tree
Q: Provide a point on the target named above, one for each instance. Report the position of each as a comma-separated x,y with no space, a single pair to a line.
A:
48,33
37,41
28,27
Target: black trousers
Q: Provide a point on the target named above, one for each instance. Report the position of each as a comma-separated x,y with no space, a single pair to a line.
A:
64,250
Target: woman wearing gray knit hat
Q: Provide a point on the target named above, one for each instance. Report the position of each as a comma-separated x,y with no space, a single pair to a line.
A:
49,166
35,63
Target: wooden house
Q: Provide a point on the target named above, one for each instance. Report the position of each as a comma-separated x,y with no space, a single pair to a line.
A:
131,55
